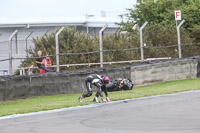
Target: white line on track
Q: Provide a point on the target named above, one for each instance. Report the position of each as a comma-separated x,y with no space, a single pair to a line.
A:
92,105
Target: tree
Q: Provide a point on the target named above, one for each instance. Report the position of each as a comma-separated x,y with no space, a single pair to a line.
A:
162,12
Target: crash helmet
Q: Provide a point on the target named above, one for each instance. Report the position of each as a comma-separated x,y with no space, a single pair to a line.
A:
105,80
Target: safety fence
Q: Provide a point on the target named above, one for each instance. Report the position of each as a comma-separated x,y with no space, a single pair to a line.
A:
131,55
113,50
107,57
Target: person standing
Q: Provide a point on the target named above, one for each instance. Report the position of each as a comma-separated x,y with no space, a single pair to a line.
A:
30,70
39,62
46,62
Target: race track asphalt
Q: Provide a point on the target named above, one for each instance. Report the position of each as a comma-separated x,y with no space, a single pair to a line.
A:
179,113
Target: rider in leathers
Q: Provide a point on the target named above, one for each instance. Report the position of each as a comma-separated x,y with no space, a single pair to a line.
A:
95,80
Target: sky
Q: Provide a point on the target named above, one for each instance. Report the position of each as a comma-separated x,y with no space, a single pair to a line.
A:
19,9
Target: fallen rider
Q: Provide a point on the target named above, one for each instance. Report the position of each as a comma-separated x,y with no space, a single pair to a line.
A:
103,84
97,81
118,85
105,81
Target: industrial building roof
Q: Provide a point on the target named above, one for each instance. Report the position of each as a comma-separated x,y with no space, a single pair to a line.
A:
42,22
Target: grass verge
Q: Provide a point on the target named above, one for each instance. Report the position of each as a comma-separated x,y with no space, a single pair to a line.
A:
69,100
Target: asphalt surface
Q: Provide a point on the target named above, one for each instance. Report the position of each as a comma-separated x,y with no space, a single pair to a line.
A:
164,114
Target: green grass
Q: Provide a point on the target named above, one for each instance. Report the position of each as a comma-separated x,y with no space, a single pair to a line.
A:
69,100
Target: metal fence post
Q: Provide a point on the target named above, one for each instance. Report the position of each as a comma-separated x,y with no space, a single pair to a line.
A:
101,44
179,39
10,51
141,41
27,43
16,44
45,33
57,48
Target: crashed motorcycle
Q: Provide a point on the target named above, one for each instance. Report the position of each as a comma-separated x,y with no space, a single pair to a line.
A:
120,84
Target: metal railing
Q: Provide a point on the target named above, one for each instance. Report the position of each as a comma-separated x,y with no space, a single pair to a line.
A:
23,69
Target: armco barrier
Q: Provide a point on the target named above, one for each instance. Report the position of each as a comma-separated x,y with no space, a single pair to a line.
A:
24,86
